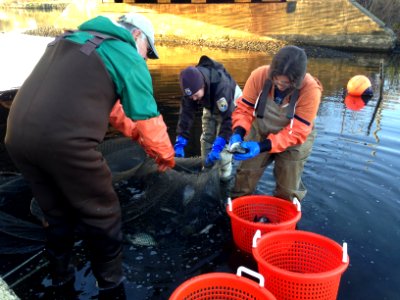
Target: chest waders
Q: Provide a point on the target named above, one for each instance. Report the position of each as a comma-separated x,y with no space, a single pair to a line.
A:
289,164
58,117
211,119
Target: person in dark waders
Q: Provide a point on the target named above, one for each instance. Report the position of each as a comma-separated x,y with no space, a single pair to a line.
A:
208,85
276,117
59,116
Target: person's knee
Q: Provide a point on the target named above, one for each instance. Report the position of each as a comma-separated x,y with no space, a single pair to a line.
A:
246,182
290,193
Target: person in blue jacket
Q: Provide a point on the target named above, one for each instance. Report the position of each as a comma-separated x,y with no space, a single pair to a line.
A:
210,87
58,118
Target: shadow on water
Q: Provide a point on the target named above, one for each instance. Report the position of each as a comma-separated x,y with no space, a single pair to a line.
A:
352,180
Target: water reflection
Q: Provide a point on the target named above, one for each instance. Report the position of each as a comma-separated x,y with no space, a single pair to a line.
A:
333,73
22,20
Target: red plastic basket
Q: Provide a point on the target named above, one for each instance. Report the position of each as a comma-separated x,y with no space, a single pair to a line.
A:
282,214
223,286
301,265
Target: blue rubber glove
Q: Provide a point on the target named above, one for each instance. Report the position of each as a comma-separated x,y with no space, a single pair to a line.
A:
216,149
234,142
252,148
179,146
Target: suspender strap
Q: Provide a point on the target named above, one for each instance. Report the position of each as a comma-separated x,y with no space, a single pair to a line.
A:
95,41
262,100
292,103
90,45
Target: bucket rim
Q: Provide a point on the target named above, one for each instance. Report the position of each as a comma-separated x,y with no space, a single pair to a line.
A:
261,226
340,269
215,277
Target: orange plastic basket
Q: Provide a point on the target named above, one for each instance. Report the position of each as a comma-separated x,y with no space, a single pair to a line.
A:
301,265
223,286
282,214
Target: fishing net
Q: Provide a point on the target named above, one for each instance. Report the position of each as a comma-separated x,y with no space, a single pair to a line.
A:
181,201
174,225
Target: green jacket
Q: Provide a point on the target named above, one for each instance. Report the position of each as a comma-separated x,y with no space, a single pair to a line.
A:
128,70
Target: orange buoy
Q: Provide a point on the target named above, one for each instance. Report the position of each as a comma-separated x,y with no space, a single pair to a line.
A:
358,85
359,92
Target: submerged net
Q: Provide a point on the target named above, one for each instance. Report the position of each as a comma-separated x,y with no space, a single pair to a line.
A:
178,202
174,226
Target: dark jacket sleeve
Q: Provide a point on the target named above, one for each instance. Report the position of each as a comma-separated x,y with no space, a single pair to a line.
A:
186,117
225,90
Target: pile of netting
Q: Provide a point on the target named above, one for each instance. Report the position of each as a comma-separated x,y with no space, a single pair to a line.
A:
180,201
174,225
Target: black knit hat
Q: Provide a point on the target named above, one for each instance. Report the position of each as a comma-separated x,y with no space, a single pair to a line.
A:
290,61
191,80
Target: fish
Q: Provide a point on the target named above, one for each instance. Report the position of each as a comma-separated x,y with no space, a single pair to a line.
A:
237,149
206,229
261,219
140,239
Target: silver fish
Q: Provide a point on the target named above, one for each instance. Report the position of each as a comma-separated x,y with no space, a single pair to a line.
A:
140,239
261,219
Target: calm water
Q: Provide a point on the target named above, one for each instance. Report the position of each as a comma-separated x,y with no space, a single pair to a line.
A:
352,175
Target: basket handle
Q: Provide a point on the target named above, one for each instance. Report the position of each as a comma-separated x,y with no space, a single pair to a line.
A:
345,257
256,236
252,273
297,203
229,200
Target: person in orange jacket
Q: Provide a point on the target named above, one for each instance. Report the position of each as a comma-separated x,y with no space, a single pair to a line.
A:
274,122
59,117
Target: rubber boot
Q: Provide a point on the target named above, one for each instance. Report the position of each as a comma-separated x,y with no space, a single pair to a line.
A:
116,293
109,275
61,271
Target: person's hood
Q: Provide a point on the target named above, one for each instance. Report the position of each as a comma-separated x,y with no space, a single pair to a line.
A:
106,26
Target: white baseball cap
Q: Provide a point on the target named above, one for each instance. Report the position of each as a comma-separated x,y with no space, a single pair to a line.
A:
144,24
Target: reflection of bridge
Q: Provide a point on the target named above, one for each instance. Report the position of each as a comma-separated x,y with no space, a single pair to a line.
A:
333,23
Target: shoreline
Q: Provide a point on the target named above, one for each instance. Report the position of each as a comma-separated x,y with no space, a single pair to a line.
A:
174,31
39,5
267,46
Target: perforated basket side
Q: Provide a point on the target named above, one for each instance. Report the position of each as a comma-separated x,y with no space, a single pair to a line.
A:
299,264
222,286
